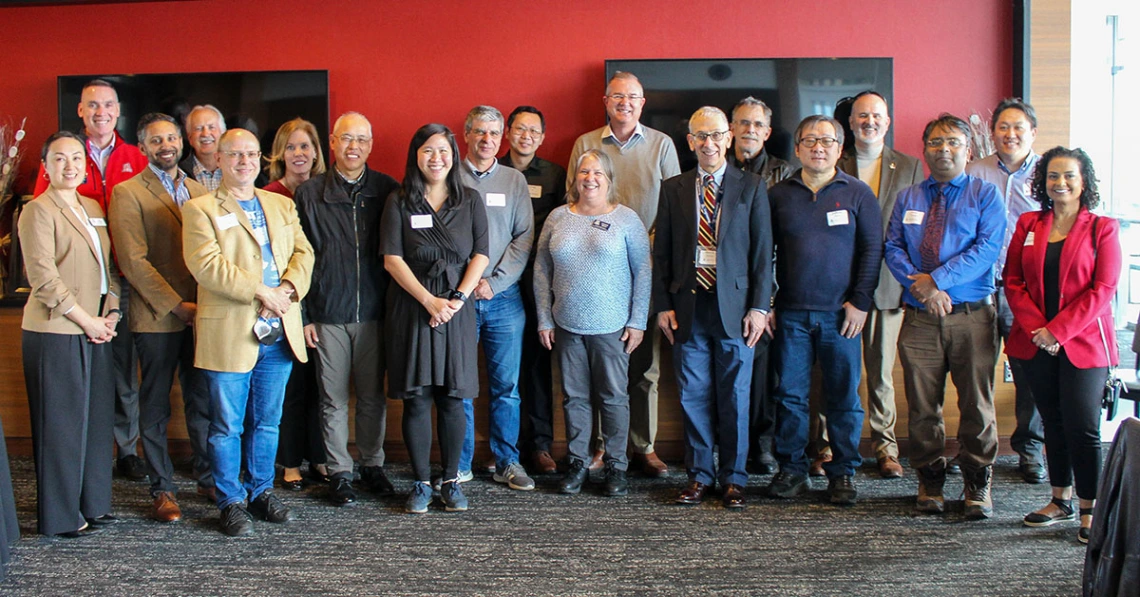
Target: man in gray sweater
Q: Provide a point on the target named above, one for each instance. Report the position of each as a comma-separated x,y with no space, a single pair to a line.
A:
498,301
642,158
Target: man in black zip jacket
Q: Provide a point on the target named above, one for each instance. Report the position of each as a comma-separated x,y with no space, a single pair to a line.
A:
344,310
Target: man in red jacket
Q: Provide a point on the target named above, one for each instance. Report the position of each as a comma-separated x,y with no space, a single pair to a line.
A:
110,160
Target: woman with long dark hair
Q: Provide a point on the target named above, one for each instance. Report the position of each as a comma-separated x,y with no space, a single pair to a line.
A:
435,247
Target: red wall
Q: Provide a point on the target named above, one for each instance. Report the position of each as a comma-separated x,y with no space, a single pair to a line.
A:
405,63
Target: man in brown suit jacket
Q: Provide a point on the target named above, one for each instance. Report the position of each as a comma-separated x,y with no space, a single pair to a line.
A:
887,172
146,227
246,249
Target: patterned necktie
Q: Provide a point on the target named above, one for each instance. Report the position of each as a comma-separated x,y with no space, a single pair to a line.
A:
932,235
706,276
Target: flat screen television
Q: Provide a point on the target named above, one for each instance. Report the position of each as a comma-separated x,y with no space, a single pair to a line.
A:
261,99
793,87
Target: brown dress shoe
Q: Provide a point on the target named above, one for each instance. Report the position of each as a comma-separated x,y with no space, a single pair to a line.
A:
544,464
889,468
652,465
816,469
166,508
733,496
210,493
692,494
596,463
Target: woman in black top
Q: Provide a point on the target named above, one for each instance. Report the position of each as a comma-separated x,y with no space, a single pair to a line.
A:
435,247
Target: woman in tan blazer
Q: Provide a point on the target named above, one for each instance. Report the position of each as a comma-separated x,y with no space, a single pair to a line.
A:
68,324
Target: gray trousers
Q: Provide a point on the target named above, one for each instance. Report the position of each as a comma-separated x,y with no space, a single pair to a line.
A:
160,355
126,376
351,351
595,371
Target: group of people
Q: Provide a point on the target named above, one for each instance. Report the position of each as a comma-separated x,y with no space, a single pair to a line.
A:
269,302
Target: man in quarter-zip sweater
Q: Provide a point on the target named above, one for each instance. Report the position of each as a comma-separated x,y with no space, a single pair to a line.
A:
344,312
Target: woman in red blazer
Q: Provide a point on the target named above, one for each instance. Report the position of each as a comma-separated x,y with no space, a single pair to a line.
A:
1060,278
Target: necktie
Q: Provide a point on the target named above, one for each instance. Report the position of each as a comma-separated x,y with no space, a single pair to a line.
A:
932,235
706,230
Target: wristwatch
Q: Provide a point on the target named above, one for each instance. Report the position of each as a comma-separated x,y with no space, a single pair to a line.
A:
455,294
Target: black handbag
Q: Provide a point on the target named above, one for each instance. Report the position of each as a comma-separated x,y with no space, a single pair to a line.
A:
1113,385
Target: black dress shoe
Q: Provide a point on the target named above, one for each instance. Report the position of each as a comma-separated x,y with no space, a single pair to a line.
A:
104,520
1032,472
373,479
954,467
269,507
616,482
132,467
733,497
763,464
576,475
341,493
294,485
235,520
692,494
90,529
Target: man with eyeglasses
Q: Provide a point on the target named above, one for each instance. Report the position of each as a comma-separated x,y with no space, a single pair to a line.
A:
713,232
751,128
499,314
204,128
344,312
827,229
246,249
943,239
546,185
642,158
1011,167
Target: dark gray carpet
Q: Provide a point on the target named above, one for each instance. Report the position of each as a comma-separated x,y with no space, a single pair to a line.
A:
542,543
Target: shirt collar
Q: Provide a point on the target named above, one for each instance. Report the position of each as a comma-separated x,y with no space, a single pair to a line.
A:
957,182
638,131
476,172
1026,166
718,176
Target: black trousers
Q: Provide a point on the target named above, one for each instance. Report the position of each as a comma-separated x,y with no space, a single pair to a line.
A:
71,396
300,433
160,356
1069,400
451,425
762,409
536,378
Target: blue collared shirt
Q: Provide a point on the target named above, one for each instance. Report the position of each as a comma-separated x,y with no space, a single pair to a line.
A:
974,231
608,133
1015,188
100,155
176,188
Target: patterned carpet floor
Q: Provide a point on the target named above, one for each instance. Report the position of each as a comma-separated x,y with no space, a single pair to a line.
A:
543,543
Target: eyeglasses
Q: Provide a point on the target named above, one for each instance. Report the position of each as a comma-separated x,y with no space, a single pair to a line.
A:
953,142
826,142
238,155
360,139
495,134
523,131
618,97
716,136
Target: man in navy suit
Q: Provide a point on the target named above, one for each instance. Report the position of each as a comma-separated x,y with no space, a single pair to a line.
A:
712,283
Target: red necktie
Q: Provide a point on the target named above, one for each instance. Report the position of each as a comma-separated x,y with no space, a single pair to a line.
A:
706,276
932,235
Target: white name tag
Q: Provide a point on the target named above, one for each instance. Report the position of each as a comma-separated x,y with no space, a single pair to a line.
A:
98,222
913,216
1028,240
706,257
421,221
227,221
496,200
837,218
535,190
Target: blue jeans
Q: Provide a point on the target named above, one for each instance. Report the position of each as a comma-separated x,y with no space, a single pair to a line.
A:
714,376
259,394
500,322
801,337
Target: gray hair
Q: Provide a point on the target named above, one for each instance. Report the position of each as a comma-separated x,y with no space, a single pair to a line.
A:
607,168
624,76
707,112
348,114
210,107
752,102
482,114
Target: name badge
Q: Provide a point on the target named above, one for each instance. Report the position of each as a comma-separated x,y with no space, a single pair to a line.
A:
600,225
496,200
227,221
1028,239
535,190
837,218
706,257
913,216
421,221
98,222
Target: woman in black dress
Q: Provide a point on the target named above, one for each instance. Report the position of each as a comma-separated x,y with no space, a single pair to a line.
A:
435,248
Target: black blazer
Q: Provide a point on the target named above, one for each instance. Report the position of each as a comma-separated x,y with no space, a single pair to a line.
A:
744,250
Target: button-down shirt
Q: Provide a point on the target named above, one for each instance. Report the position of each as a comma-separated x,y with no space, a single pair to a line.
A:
101,155
175,187
209,179
480,174
971,241
1015,188
638,131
